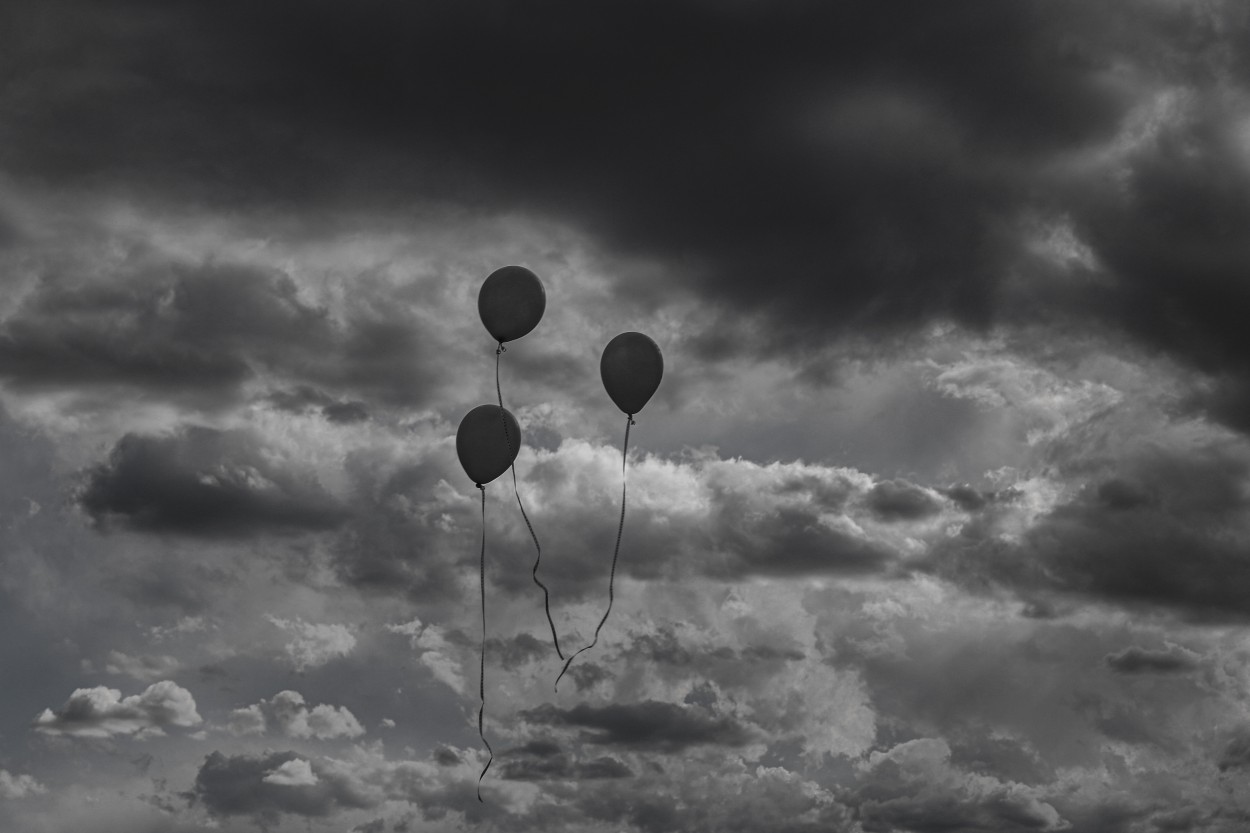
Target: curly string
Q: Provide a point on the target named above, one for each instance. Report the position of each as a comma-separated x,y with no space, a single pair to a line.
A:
615,553
481,686
537,546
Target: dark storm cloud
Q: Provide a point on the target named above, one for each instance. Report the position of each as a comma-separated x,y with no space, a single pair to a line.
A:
845,165
651,724
517,651
898,500
588,675
345,412
1170,528
972,500
543,760
966,497
792,540
1136,660
204,482
1171,239
304,398
1236,752
385,549
99,335
272,783
200,331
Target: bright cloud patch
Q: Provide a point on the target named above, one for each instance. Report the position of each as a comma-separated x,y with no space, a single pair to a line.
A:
288,711
247,721
102,712
141,667
433,651
314,645
293,773
19,786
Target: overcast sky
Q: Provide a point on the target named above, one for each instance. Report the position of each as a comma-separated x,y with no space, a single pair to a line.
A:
940,520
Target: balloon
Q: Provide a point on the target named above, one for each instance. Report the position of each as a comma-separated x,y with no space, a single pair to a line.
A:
485,452
631,368
511,302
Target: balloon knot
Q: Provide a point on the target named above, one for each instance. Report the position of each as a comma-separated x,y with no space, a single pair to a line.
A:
500,349
631,419
480,486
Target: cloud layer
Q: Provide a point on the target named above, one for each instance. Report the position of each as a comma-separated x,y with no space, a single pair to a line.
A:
938,520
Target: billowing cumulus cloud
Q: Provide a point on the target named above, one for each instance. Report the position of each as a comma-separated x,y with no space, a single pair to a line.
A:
731,518
293,773
249,720
102,712
293,717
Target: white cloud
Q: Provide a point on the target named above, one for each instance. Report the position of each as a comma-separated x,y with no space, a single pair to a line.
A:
293,717
187,624
247,721
1047,405
434,651
314,645
321,722
19,786
295,773
102,712
144,667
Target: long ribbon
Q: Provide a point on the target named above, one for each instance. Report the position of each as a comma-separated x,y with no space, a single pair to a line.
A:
546,595
615,552
481,686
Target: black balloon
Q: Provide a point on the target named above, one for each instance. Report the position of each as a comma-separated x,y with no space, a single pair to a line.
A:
631,368
485,448
511,302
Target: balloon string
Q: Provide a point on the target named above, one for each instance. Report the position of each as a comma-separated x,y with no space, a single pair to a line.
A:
481,687
546,595
615,552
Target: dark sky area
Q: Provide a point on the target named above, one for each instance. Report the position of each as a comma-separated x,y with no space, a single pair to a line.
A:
939,521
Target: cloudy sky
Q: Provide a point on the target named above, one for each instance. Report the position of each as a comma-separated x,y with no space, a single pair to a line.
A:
940,520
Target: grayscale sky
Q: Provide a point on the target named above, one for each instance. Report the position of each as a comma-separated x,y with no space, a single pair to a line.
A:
939,522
